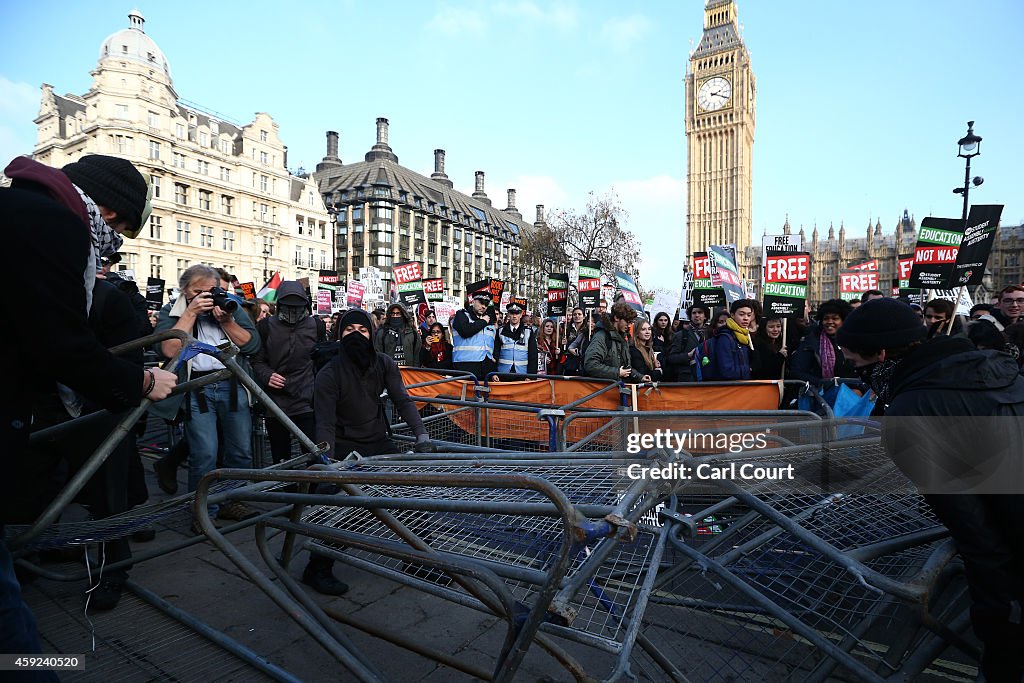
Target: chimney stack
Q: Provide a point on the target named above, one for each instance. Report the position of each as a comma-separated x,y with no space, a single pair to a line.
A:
331,159
381,150
540,215
511,208
479,193
439,175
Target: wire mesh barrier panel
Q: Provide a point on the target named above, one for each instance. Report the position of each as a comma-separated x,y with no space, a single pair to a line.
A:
768,583
695,432
554,548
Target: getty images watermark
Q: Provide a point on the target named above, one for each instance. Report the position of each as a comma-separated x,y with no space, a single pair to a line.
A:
697,442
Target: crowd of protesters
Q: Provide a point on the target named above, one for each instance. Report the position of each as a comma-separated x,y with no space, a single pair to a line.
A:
327,374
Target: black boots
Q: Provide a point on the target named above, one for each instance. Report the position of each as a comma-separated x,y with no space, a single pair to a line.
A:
319,577
106,595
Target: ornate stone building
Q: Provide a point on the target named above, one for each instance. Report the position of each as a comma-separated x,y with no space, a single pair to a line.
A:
387,213
222,192
720,103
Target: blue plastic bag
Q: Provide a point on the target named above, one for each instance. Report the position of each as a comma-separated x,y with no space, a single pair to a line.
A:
807,401
849,404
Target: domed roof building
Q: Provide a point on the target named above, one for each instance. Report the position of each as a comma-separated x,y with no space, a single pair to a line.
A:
134,45
222,191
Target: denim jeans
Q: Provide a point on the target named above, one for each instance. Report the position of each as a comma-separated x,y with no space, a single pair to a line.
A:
17,625
201,431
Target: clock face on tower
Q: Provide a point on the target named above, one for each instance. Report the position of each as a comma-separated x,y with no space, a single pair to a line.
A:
714,93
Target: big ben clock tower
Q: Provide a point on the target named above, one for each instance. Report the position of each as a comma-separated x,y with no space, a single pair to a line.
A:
720,90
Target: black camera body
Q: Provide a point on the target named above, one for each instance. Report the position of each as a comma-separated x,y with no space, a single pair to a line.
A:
221,298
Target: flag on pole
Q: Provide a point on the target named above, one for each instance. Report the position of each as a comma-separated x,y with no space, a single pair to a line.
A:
269,291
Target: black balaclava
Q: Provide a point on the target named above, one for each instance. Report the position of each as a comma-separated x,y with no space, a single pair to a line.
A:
358,348
292,314
395,323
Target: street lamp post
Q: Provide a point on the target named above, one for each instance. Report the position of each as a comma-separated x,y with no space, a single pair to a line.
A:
266,255
969,147
333,209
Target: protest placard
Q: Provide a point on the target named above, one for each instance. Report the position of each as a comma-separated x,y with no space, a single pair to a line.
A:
785,289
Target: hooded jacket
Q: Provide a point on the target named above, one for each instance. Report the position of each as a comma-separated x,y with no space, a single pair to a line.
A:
287,350
954,426
949,376
946,377
386,339
349,406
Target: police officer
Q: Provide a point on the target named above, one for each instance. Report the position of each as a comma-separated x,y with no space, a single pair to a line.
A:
515,345
473,333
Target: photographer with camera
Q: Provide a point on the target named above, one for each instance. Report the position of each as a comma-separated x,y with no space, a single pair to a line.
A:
205,311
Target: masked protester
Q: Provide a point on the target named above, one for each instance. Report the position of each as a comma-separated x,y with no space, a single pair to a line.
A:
350,413
284,364
397,336
953,424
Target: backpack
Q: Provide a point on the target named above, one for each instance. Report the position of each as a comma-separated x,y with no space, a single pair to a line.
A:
704,357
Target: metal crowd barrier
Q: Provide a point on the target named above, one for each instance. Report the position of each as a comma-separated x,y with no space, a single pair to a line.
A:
47,532
842,575
553,549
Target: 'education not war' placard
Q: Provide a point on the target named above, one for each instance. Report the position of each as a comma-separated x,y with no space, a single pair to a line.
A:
938,244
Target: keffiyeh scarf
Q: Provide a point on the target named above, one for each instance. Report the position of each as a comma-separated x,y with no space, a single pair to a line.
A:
104,242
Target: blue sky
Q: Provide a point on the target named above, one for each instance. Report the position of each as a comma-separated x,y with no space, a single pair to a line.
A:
860,104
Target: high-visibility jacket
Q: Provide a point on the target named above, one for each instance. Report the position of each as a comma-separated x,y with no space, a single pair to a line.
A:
514,355
473,349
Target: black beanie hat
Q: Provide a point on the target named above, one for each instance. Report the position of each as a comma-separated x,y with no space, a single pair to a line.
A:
111,182
881,324
355,316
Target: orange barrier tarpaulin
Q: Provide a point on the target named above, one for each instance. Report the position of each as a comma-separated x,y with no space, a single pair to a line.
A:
762,395
497,423
737,396
455,388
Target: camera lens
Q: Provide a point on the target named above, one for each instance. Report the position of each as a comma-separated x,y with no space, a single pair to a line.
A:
221,299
